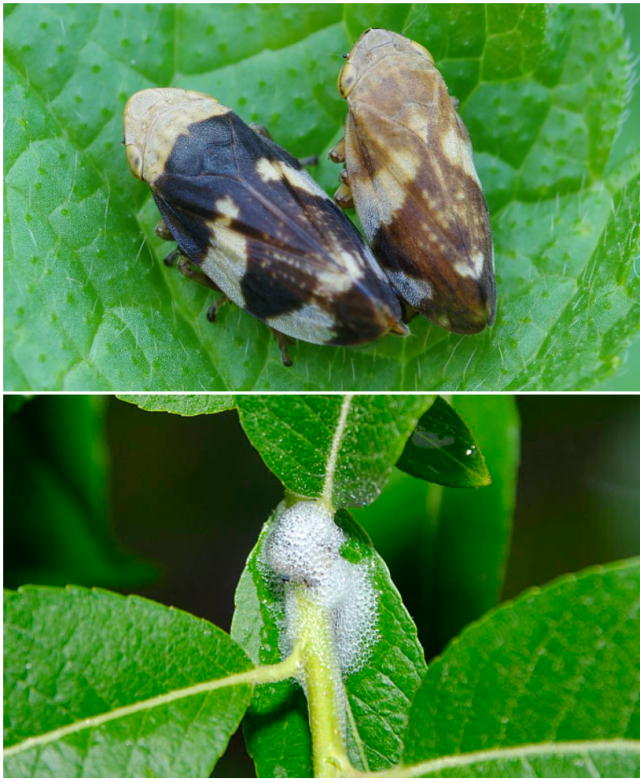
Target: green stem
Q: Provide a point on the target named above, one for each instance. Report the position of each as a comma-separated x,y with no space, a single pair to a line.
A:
325,691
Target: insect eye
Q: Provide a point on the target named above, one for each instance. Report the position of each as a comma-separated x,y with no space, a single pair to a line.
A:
421,50
347,79
134,159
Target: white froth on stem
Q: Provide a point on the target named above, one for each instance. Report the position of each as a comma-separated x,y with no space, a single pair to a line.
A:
303,549
330,613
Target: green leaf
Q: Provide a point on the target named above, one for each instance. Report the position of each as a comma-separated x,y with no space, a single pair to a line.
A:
466,539
627,139
89,305
395,541
399,524
604,310
72,655
339,447
442,450
182,404
556,666
379,695
458,540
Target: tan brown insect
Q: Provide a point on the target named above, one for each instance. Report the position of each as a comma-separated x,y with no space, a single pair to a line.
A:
409,173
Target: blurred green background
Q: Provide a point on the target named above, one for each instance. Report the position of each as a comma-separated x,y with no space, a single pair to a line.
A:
99,492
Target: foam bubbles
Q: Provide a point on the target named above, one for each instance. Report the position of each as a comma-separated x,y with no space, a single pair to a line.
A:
303,550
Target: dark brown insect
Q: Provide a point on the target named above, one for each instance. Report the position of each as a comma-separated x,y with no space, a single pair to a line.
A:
251,222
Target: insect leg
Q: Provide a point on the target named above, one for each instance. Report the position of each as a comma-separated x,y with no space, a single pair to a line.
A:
343,197
344,177
336,153
163,232
283,342
311,160
212,312
185,267
409,312
171,258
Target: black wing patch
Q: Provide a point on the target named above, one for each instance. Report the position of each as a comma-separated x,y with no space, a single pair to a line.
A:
293,233
219,159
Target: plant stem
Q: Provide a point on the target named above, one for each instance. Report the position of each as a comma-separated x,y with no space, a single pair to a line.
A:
324,688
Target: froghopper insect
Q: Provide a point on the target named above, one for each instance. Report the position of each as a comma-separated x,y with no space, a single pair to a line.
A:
409,172
254,223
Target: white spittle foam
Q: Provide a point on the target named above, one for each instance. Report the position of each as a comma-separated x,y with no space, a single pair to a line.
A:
303,548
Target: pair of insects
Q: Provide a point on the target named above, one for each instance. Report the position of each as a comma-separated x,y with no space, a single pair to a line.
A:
251,222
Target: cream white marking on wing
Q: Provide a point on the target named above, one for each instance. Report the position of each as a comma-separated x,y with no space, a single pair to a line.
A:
458,153
267,170
228,210
302,180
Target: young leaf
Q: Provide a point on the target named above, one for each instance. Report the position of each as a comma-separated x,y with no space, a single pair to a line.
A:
544,686
182,404
379,695
341,448
80,668
89,305
466,540
442,450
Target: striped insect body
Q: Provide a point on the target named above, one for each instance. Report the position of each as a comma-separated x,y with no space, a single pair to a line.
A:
250,221
411,177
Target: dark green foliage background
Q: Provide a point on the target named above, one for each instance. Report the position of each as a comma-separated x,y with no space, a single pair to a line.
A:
88,305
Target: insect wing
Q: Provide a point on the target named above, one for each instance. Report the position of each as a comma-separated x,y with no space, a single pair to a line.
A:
246,211
414,185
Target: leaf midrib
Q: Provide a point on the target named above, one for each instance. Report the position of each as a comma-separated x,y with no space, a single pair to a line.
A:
336,442
260,675
126,711
523,752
